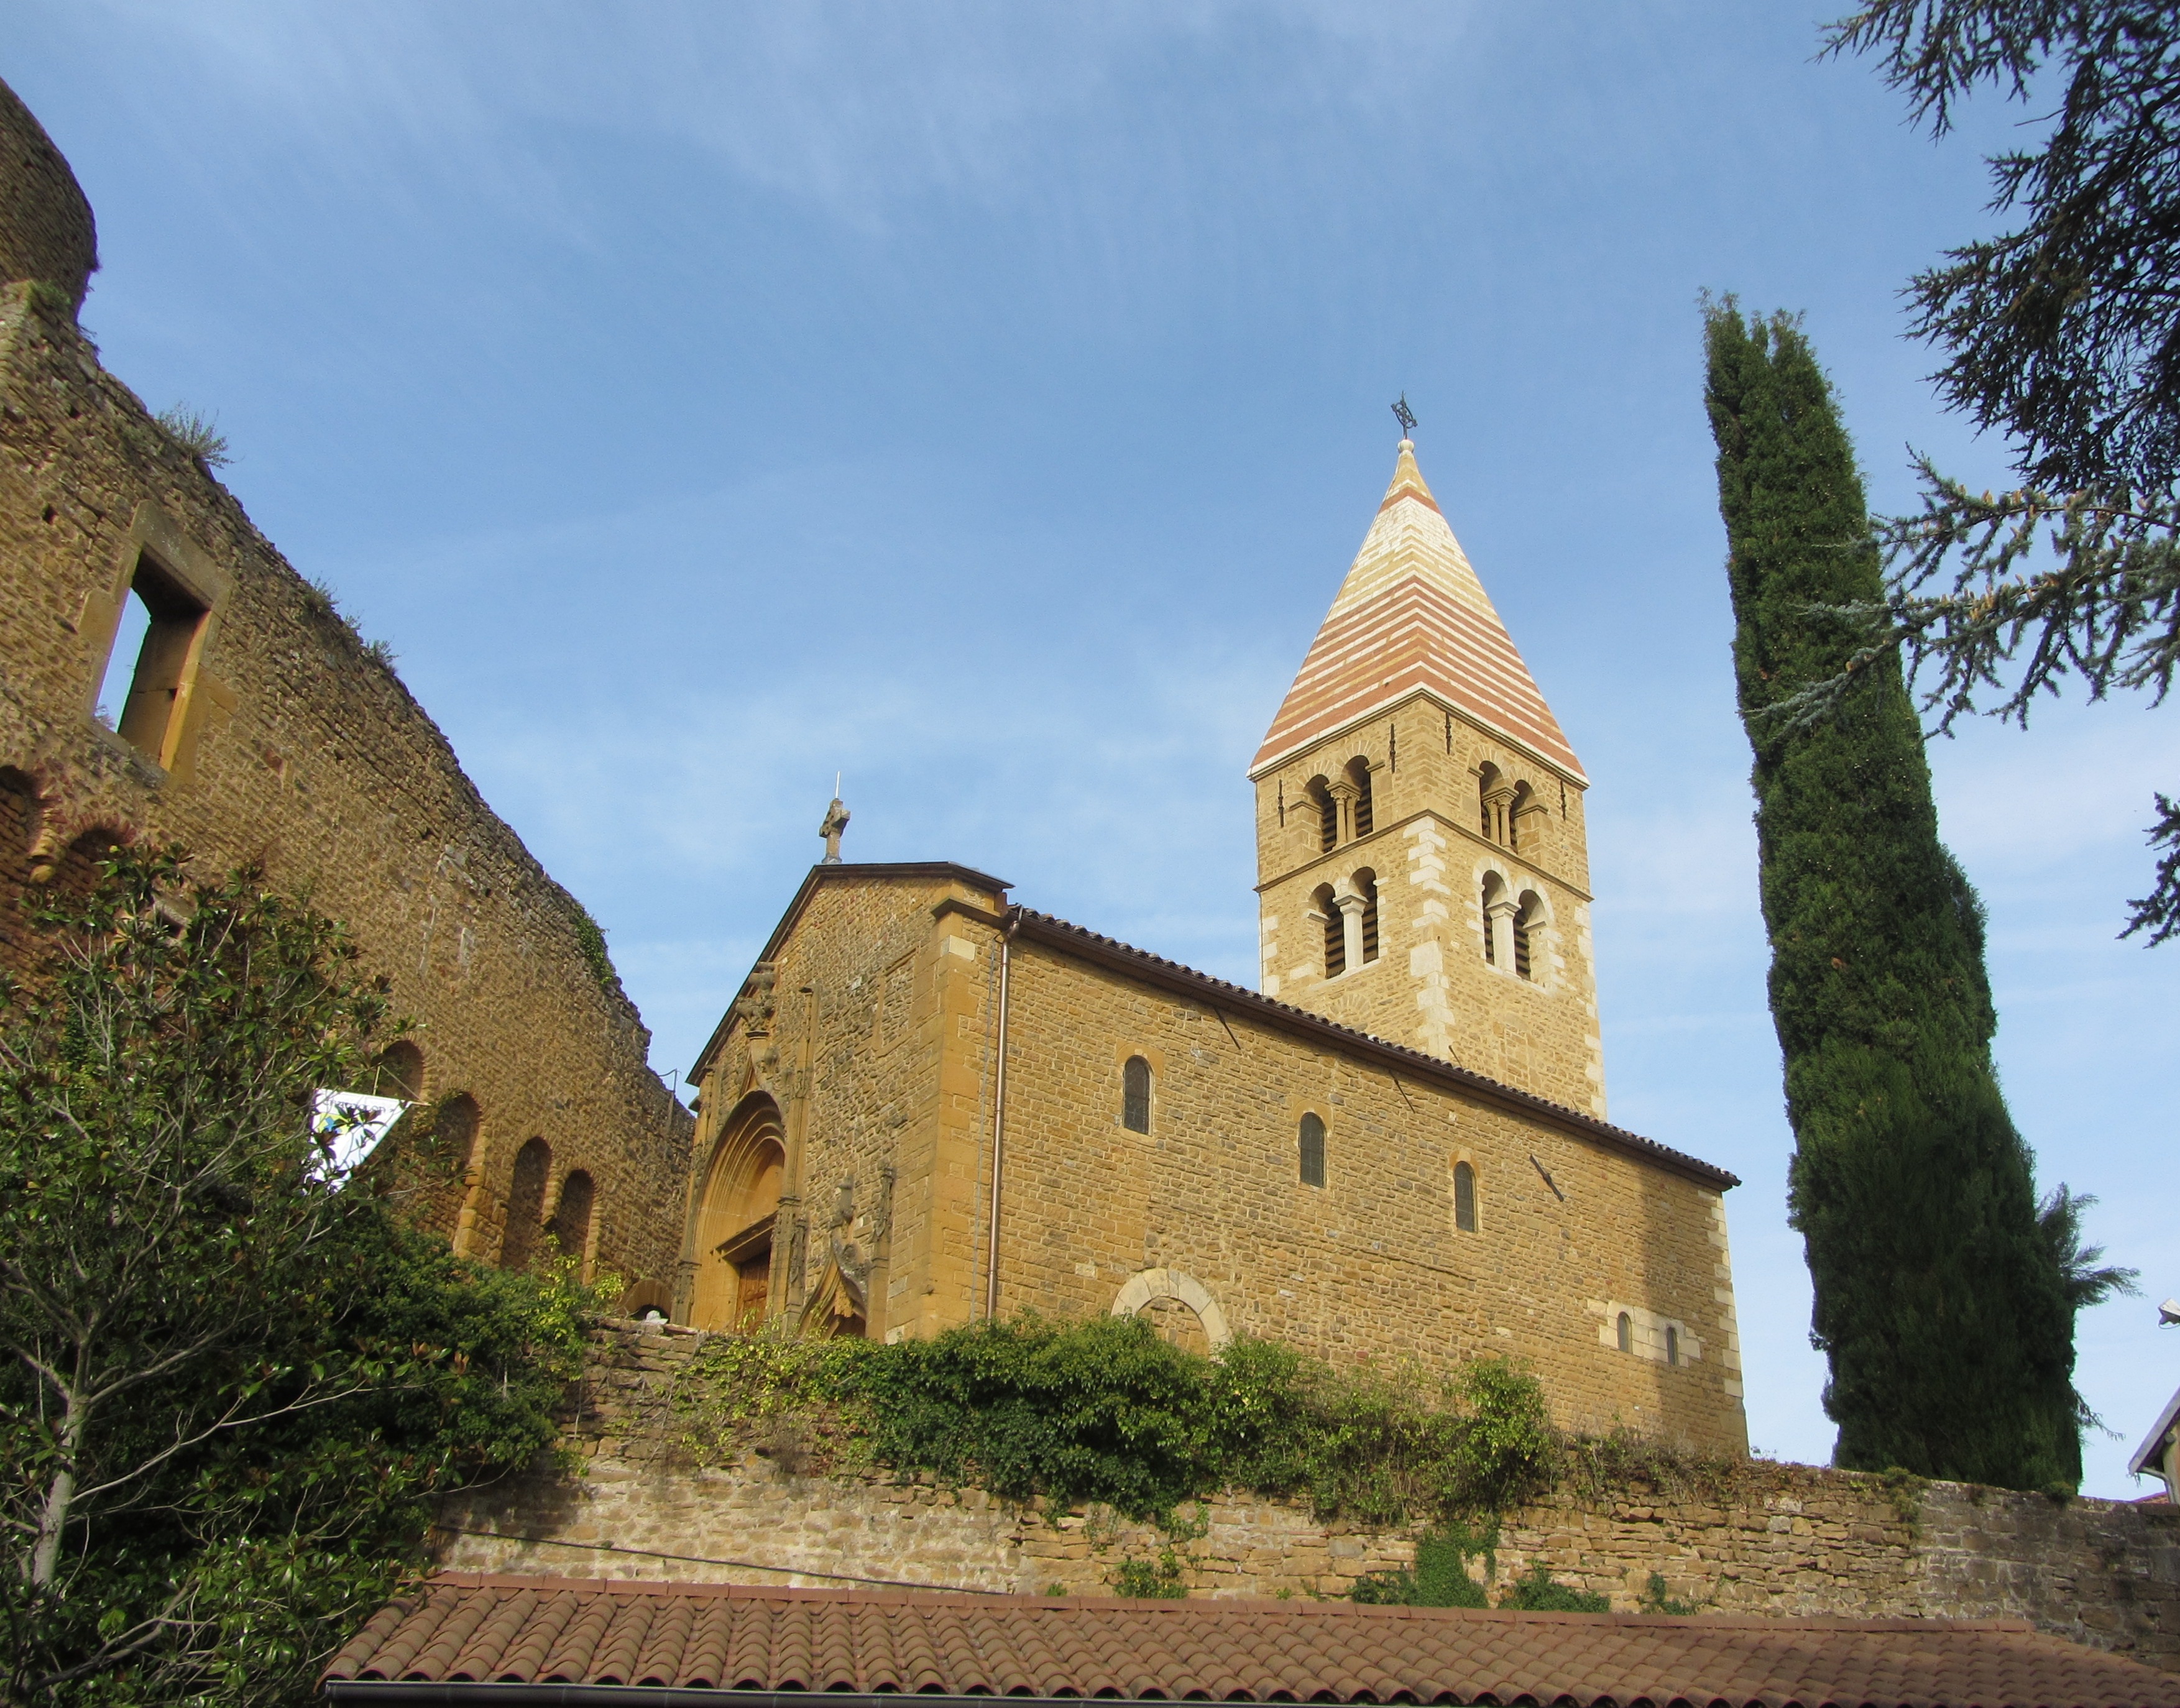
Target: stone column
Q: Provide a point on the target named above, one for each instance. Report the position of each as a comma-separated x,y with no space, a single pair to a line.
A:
1498,921
1498,803
1344,794
1351,906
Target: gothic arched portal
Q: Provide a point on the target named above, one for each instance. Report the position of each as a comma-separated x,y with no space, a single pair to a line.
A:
734,1220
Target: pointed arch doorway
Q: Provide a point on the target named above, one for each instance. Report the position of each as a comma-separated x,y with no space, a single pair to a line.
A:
735,1218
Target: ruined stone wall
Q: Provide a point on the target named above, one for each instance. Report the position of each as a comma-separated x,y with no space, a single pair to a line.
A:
1763,1539
1430,987
288,744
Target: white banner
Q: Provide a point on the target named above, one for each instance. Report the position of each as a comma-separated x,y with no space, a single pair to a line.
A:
348,1126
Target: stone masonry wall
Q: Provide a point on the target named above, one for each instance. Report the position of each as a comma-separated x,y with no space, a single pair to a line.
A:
1570,1232
1430,987
290,745
1769,1540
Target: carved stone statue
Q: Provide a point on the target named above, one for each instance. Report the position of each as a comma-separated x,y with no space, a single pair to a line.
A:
836,821
755,1005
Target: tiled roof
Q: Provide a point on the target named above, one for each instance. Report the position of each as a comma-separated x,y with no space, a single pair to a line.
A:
1395,1057
1411,615
574,1632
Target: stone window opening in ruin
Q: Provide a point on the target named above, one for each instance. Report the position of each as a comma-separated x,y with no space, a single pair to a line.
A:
1358,774
526,1204
1312,1145
1464,1198
1366,885
1328,815
1626,1330
570,1227
1135,1095
401,1072
1528,915
1672,1344
1335,930
157,635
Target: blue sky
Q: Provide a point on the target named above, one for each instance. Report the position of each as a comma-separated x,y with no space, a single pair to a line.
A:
984,401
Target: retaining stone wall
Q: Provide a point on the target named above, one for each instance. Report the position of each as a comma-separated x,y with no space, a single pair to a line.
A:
1771,1539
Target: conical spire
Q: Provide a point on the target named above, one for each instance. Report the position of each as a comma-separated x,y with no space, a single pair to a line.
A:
1411,615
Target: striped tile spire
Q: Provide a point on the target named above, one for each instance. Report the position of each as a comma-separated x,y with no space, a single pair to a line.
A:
1411,615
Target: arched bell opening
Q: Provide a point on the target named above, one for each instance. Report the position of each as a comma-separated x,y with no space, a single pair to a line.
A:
734,1217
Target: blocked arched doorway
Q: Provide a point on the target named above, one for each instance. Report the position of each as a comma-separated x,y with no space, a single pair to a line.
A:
734,1217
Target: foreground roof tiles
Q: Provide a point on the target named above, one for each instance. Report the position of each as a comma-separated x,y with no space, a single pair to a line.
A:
460,1628
1411,615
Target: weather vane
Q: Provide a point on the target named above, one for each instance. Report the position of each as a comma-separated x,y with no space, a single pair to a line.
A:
1405,416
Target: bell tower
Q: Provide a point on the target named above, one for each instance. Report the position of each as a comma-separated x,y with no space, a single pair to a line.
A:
1422,872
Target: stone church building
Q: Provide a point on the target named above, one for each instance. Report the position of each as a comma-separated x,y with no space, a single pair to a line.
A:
930,1104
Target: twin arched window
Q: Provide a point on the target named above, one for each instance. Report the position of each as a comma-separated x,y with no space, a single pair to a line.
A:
1312,1145
1353,785
1331,910
1509,925
1135,1095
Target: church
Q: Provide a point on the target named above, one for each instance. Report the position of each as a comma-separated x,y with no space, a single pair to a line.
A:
930,1104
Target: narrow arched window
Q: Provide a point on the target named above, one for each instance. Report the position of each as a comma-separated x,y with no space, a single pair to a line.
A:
1673,1344
1626,1332
1335,931
1312,1150
1524,798
1328,816
1135,1095
1492,890
526,1204
1464,1198
1366,881
1525,921
1358,774
1488,805
570,1227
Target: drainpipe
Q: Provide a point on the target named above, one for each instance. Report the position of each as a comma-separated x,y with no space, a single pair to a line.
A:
999,1132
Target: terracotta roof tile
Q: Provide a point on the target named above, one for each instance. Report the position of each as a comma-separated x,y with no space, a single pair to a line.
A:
460,1628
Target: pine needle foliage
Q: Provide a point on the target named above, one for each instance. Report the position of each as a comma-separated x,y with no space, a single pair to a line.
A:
2064,335
1946,1319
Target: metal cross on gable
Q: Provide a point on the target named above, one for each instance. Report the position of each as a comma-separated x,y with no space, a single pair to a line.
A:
1405,416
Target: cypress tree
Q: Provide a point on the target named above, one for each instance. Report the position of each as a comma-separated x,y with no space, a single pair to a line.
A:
1940,1302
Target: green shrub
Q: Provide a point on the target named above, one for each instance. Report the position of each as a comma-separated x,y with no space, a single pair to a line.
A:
1539,1592
1440,1577
1151,1580
1103,1411
1654,1599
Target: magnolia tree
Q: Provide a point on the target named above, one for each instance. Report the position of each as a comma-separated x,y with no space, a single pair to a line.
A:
230,1383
